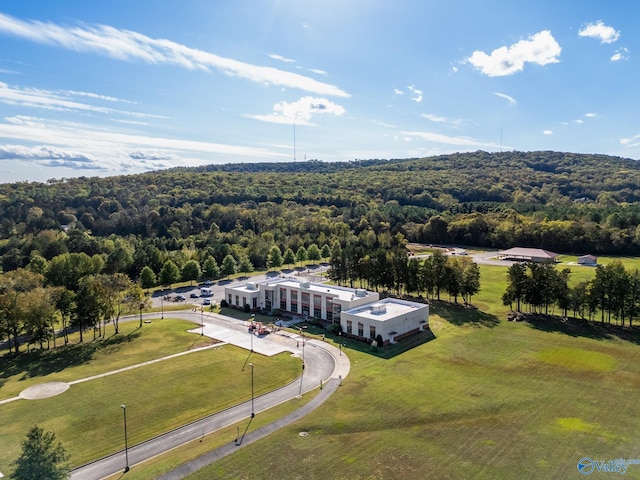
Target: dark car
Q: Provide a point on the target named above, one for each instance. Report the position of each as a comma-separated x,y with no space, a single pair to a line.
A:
180,298
194,295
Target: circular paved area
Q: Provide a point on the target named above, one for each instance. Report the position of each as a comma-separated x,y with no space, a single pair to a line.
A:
44,390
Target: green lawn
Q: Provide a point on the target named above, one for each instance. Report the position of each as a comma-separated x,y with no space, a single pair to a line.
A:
486,401
88,418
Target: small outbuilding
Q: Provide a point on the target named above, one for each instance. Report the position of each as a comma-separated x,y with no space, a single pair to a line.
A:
590,260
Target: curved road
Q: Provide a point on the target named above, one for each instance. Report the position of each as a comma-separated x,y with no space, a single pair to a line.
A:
322,363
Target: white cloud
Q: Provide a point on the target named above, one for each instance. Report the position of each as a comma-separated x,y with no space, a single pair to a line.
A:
317,71
397,91
540,49
128,46
61,100
631,142
621,54
590,115
547,132
440,119
512,101
57,143
600,31
301,111
281,58
451,140
417,94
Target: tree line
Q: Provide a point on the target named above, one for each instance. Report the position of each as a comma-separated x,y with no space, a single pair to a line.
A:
613,293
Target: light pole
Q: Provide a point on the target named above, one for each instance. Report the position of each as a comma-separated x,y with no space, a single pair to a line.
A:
201,320
302,333
253,412
339,341
126,443
141,307
162,304
253,317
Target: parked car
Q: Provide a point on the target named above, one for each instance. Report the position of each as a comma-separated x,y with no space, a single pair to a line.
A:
180,298
206,301
193,295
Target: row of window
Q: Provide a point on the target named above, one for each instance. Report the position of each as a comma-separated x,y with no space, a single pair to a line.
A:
372,329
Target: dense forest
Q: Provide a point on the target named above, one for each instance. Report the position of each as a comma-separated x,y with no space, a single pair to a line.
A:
559,201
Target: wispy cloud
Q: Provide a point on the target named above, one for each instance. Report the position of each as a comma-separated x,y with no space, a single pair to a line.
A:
302,111
600,31
417,94
440,119
129,46
317,71
621,54
590,115
540,49
512,101
547,132
281,58
397,91
56,143
62,100
461,141
631,142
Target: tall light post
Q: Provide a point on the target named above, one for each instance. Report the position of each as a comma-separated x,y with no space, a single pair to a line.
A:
162,305
126,443
302,333
253,317
201,320
141,307
253,412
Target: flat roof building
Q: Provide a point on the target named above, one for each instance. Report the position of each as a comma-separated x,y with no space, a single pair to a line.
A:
527,255
391,318
360,313
299,297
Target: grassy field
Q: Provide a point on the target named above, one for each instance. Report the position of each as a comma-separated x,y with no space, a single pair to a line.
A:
487,399
88,418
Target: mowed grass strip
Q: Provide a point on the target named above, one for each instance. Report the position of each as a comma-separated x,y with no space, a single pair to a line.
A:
88,419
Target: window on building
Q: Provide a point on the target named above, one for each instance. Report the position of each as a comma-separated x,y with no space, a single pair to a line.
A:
255,302
360,329
230,298
283,303
305,299
372,332
317,313
349,326
237,300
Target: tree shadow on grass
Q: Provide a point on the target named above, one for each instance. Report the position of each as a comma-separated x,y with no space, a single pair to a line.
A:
460,315
576,327
40,363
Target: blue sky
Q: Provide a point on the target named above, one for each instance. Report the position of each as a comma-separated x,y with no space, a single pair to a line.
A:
121,86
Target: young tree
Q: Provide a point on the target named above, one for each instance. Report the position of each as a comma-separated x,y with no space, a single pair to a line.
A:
313,253
191,271
301,255
148,278
274,259
289,257
325,252
41,457
169,274
210,268
245,265
229,265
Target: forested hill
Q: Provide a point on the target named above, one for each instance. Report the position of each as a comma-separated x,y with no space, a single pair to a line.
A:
561,201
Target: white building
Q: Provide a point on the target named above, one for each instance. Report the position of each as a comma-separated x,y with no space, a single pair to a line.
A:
391,318
307,299
360,312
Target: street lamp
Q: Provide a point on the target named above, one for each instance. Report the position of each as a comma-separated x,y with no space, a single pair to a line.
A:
162,304
253,317
141,307
201,320
253,412
126,444
302,333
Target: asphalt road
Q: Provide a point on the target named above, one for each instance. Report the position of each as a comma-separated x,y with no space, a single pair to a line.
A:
322,362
